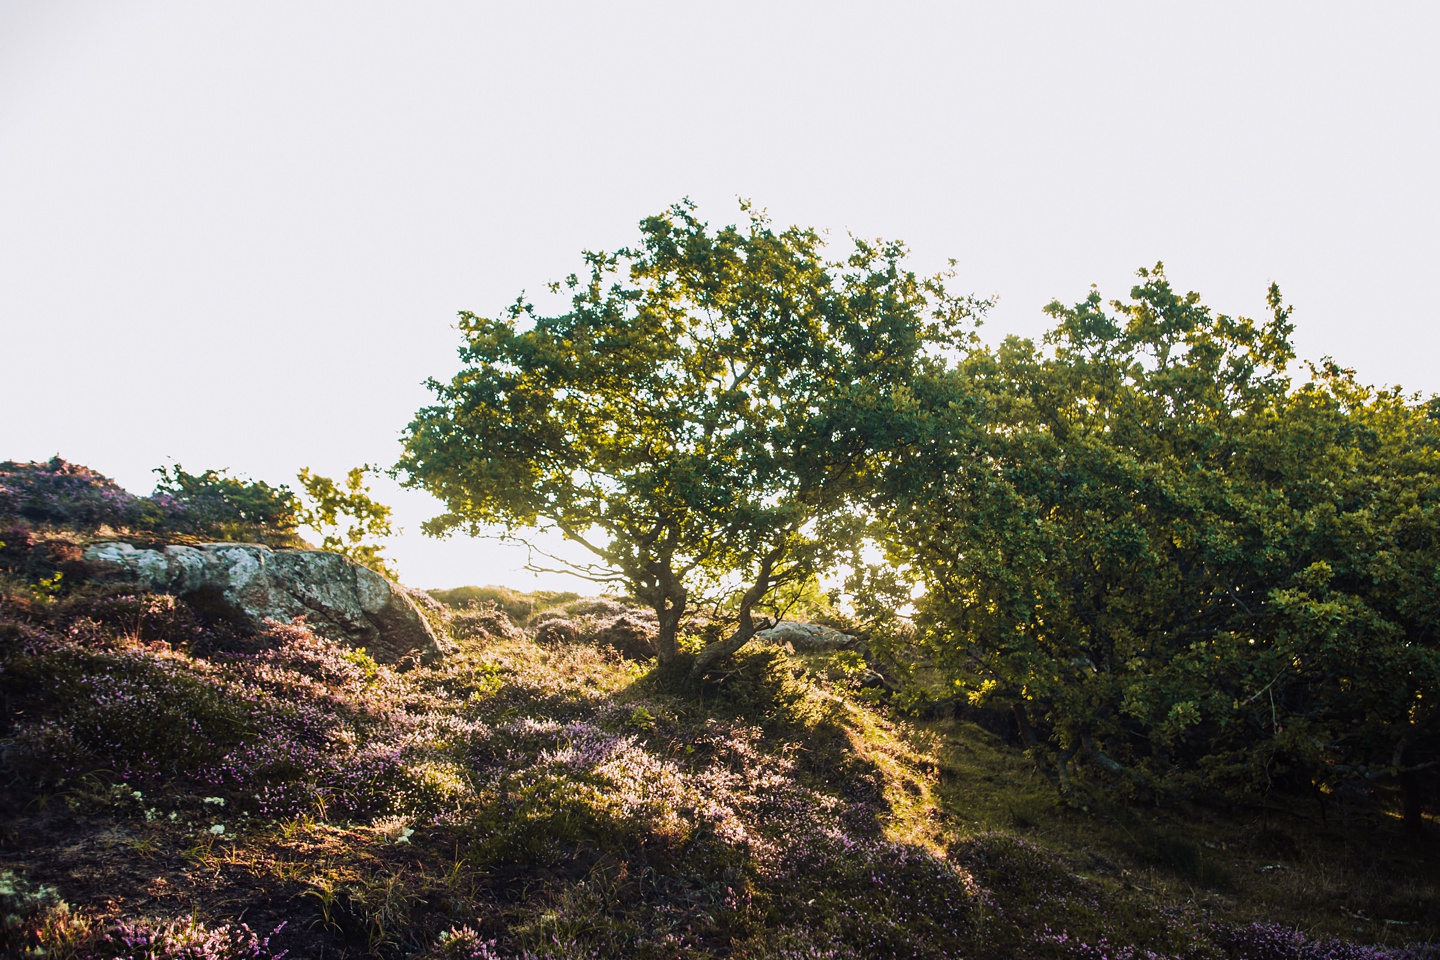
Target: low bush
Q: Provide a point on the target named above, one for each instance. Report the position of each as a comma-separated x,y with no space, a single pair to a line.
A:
483,621
64,494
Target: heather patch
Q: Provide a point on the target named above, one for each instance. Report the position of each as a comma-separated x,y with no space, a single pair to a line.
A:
1273,941
183,939
297,726
519,800
62,493
483,621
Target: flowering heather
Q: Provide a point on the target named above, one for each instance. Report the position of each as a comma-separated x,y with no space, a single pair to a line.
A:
465,944
519,802
184,939
1272,941
58,492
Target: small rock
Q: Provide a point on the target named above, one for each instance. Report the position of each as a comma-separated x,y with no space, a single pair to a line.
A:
806,637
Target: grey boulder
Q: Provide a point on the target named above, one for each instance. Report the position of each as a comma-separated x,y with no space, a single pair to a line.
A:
806,637
338,598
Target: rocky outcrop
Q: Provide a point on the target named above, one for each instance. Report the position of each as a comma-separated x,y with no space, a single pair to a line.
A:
806,637
337,597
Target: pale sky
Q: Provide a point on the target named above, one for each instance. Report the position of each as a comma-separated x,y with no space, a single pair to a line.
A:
237,235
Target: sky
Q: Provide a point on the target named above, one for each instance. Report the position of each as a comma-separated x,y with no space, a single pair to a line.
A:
238,235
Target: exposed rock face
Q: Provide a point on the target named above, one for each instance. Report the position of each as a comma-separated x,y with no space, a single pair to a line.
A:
806,636
337,597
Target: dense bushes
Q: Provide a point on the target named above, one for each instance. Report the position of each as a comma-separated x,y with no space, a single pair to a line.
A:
1181,571
65,495
218,505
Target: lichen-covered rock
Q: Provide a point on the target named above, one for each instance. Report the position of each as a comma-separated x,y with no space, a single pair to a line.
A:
337,597
806,636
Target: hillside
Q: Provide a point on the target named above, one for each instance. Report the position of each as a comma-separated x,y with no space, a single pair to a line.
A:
178,784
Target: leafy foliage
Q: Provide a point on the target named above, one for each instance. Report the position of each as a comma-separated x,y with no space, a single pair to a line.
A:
700,420
1180,571
346,518
214,503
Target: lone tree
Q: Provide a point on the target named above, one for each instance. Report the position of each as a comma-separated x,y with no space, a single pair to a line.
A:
703,420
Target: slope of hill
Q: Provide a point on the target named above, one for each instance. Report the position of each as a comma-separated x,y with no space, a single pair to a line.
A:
181,785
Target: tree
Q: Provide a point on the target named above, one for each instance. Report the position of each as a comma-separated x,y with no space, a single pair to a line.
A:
1177,569
701,420
328,508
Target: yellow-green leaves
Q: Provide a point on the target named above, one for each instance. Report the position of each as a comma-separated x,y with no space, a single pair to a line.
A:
704,417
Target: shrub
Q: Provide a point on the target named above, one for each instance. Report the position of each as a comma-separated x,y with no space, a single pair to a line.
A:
138,716
1273,941
214,504
184,939
28,911
145,617
64,494
482,621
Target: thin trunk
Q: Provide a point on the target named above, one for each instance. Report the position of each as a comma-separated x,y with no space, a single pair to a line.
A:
1412,794
722,650
1412,803
717,653
1022,720
666,595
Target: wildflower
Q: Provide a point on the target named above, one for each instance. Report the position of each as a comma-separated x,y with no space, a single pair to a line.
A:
394,829
218,829
218,801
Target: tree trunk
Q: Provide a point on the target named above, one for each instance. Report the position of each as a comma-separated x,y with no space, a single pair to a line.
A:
1412,803
663,592
722,650
717,653
667,644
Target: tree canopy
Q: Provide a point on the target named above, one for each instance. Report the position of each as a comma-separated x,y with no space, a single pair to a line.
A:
1177,567
703,419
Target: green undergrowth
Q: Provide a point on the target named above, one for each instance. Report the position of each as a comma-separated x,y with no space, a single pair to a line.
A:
168,779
